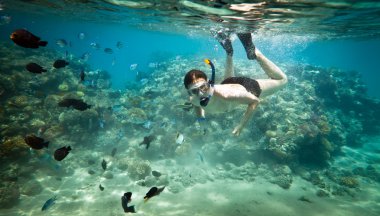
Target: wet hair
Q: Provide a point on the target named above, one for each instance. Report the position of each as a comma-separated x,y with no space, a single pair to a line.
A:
193,75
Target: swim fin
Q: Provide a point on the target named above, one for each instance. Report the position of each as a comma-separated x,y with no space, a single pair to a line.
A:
246,40
226,43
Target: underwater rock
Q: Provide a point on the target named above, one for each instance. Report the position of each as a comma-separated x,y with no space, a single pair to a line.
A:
349,181
64,87
14,147
31,188
53,132
18,101
163,180
123,164
37,123
136,116
150,181
108,175
322,193
91,172
138,169
9,195
86,120
51,101
175,187
182,150
103,84
284,181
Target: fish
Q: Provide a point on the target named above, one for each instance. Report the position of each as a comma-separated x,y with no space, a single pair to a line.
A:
81,35
147,124
5,19
61,43
95,45
75,103
85,56
154,191
101,187
119,45
113,61
113,152
200,157
187,106
60,63
104,164
147,140
26,39
36,142
61,153
305,199
101,123
108,50
156,173
49,203
35,68
125,199
82,75
179,139
133,67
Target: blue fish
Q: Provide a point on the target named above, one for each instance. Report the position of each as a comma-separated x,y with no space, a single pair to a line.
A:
49,203
200,157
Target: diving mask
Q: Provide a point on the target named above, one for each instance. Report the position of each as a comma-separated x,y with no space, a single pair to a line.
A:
199,88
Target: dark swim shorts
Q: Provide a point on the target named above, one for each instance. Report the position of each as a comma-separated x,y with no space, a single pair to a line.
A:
250,84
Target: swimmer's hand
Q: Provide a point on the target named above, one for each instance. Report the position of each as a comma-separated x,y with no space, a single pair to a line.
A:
237,130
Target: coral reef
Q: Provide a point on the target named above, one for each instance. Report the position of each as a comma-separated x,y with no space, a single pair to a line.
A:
138,169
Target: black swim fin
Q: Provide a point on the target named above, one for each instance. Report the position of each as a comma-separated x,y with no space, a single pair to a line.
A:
226,43
246,40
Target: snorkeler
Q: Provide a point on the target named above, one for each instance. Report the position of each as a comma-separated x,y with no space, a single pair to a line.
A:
206,96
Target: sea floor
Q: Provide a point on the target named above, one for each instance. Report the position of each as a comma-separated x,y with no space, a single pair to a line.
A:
79,194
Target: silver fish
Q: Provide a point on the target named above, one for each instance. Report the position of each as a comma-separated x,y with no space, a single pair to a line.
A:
61,43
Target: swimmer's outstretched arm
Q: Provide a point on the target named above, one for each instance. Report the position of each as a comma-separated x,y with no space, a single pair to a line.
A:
252,102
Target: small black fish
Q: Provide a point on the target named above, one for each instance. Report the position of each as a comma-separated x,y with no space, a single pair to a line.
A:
82,75
61,153
35,68
101,187
147,140
60,63
108,50
154,191
36,142
114,150
305,199
119,45
104,164
49,203
26,39
156,173
75,103
125,199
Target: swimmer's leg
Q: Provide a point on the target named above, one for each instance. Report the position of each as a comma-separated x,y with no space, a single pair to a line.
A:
229,70
246,40
278,78
225,41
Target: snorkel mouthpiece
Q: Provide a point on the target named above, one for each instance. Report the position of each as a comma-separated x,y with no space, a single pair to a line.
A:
204,100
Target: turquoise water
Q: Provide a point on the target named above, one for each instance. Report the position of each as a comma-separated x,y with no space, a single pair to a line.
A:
310,149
